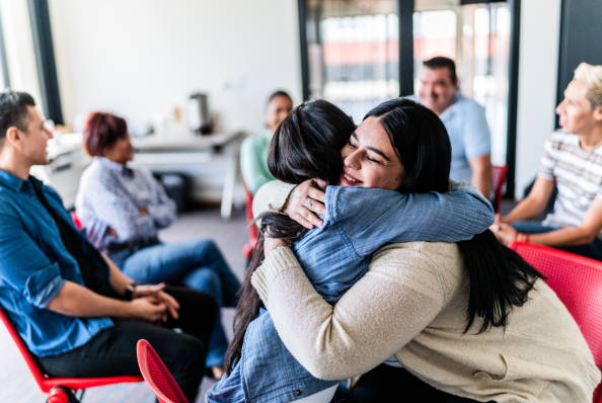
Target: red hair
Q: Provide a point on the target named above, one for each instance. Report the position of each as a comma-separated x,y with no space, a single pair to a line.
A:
101,132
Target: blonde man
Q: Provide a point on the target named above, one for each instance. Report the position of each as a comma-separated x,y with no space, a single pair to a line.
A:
572,160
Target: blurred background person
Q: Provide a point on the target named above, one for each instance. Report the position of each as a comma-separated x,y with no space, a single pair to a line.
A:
123,208
254,150
464,120
571,162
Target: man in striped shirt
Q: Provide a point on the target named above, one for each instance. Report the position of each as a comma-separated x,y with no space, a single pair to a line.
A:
572,160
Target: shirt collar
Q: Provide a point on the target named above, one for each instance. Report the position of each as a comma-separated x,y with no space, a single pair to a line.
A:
107,163
450,110
9,180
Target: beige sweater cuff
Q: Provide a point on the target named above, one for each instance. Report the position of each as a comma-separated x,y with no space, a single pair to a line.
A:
278,261
271,197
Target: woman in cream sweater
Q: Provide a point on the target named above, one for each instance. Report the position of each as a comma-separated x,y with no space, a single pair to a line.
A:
413,311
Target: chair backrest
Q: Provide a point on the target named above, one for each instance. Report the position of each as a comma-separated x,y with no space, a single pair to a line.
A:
498,181
577,281
157,376
76,221
249,210
45,382
29,360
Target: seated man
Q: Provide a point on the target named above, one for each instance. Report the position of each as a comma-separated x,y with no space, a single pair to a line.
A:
572,160
464,120
75,310
254,150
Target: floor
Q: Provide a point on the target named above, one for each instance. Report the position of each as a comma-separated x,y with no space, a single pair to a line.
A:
16,382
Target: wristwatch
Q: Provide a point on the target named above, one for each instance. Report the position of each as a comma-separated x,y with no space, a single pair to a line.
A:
129,290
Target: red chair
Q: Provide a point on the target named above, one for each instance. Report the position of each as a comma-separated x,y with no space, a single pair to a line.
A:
498,181
252,228
76,221
577,281
157,376
59,389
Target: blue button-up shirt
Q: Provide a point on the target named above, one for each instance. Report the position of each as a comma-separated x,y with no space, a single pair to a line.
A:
34,266
334,256
111,194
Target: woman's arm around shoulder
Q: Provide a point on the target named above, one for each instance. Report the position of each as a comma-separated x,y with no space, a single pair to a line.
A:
400,295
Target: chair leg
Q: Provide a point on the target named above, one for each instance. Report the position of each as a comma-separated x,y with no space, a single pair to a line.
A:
61,394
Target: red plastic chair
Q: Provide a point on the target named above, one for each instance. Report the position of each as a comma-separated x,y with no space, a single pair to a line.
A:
59,389
76,221
157,376
498,182
577,281
253,233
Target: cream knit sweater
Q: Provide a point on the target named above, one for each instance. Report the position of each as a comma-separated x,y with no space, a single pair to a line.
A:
412,304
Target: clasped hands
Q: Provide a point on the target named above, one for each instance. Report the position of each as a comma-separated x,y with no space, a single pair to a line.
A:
154,304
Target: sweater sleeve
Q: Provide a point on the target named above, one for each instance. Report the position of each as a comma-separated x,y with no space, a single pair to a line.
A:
271,197
398,297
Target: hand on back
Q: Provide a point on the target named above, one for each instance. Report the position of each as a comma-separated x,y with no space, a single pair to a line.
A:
306,202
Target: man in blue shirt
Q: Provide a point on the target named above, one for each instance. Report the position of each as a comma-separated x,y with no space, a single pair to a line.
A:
464,120
74,309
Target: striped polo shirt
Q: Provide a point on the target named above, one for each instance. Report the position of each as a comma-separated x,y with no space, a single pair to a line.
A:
578,176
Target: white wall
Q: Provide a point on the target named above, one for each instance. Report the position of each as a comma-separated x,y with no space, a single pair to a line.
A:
538,71
140,58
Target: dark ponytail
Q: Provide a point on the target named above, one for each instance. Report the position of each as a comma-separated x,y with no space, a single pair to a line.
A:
306,145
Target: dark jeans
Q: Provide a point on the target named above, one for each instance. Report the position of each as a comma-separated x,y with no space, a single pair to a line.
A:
592,250
390,384
198,264
112,352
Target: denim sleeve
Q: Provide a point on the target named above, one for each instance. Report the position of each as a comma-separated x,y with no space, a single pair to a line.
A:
370,218
23,265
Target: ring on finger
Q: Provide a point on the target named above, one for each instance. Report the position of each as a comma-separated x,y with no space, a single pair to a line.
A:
308,203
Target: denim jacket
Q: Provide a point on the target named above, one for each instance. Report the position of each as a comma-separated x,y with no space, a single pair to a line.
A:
334,256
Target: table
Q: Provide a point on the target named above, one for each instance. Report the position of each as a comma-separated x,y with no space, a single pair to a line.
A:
176,153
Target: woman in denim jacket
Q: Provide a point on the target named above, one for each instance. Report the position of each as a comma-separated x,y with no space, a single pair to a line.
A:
358,221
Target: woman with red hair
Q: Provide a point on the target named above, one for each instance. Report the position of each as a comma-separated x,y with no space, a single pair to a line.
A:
123,208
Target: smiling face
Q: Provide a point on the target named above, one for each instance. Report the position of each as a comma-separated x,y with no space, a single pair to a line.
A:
437,90
369,159
278,109
575,111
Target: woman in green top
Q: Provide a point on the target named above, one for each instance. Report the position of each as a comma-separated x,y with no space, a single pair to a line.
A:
254,150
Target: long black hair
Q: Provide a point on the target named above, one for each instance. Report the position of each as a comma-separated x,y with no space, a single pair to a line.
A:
499,279
307,144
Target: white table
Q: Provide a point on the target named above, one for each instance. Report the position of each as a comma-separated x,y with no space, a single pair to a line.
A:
176,153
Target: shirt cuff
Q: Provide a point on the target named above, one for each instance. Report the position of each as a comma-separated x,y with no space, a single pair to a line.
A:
278,261
43,286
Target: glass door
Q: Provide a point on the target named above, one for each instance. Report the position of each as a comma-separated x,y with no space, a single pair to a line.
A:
477,37
353,52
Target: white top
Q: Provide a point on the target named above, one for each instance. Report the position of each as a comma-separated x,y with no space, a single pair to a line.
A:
578,176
